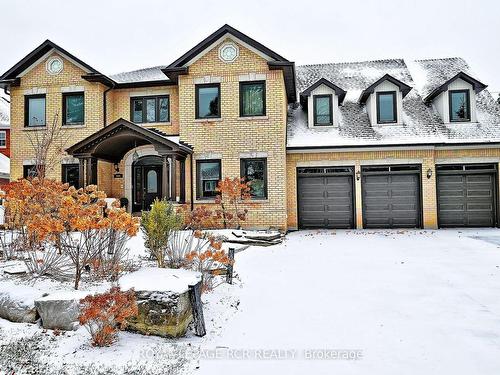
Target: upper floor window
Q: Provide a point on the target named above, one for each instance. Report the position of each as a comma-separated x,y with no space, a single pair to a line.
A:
3,139
150,109
254,171
459,105
34,110
386,107
323,113
208,101
73,108
253,98
209,174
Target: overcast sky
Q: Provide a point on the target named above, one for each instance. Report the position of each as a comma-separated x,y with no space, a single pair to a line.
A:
115,36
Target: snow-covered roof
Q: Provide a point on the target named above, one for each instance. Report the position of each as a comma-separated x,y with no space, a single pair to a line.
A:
4,166
4,111
421,123
142,75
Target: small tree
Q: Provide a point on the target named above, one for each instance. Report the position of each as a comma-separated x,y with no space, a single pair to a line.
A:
48,147
231,194
157,226
104,314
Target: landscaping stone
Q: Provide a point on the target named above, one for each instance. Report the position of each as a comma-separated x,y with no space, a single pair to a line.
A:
163,300
17,302
60,310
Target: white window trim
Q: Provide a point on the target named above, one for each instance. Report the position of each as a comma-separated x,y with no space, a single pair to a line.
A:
4,132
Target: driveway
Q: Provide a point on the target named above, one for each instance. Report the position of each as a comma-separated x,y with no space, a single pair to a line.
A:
401,302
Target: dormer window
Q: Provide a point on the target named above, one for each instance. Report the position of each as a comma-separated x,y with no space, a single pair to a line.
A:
386,107
323,112
459,105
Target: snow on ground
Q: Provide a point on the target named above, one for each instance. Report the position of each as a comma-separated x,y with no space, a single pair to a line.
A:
404,302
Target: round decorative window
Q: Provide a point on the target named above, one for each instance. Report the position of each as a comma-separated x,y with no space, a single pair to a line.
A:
229,52
54,65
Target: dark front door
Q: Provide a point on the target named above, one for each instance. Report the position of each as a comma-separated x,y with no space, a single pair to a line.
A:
326,197
147,183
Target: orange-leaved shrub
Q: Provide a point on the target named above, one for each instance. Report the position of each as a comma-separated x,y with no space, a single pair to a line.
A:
103,315
45,215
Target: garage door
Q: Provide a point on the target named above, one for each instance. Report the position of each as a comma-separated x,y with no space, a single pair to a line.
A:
466,195
391,196
325,197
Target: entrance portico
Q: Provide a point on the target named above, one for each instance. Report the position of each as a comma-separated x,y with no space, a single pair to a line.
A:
151,160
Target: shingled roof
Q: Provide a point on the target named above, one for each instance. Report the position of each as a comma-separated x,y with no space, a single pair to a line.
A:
421,123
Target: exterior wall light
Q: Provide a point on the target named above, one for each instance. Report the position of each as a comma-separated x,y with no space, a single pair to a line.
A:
358,175
429,173
117,167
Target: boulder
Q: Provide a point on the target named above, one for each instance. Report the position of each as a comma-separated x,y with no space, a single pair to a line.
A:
60,310
17,302
163,300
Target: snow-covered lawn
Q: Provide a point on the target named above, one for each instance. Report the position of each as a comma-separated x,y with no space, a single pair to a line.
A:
405,302
414,302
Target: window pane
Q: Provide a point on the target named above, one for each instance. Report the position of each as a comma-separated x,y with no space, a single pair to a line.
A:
152,181
137,110
323,110
36,111
208,102
459,106
3,139
209,173
164,109
386,108
150,110
255,175
74,109
71,175
252,98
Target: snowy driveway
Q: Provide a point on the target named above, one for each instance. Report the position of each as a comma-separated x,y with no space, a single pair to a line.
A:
413,302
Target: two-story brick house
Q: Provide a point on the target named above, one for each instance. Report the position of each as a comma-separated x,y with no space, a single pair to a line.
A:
370,144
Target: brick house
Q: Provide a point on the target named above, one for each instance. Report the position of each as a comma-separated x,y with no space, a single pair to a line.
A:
373,144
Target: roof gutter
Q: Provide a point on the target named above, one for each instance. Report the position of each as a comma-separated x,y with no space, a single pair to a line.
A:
422,146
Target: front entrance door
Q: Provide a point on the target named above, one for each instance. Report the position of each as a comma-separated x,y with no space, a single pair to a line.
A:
147,184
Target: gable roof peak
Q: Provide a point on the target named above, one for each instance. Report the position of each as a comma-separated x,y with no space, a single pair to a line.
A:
405,89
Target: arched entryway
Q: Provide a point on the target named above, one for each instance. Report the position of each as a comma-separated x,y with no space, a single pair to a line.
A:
147,182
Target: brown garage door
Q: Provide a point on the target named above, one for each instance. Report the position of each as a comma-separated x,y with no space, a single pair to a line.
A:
391,196
325,197
466,195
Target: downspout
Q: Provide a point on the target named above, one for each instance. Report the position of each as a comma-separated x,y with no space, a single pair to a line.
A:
104,104
192,190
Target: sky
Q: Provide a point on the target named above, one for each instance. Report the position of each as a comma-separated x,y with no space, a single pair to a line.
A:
115,36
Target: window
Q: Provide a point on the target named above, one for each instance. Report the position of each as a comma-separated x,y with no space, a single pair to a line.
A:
459,105
323,114
34,110
71,175
209,174
208,101
73,109
253,98
29,171
3,139
254,171
386,107
150,109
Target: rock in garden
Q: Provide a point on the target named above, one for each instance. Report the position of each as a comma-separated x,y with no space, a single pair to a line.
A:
163,300
60,310
17,302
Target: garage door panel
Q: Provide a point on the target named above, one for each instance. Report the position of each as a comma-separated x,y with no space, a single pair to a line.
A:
326,201
466,199
391,200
